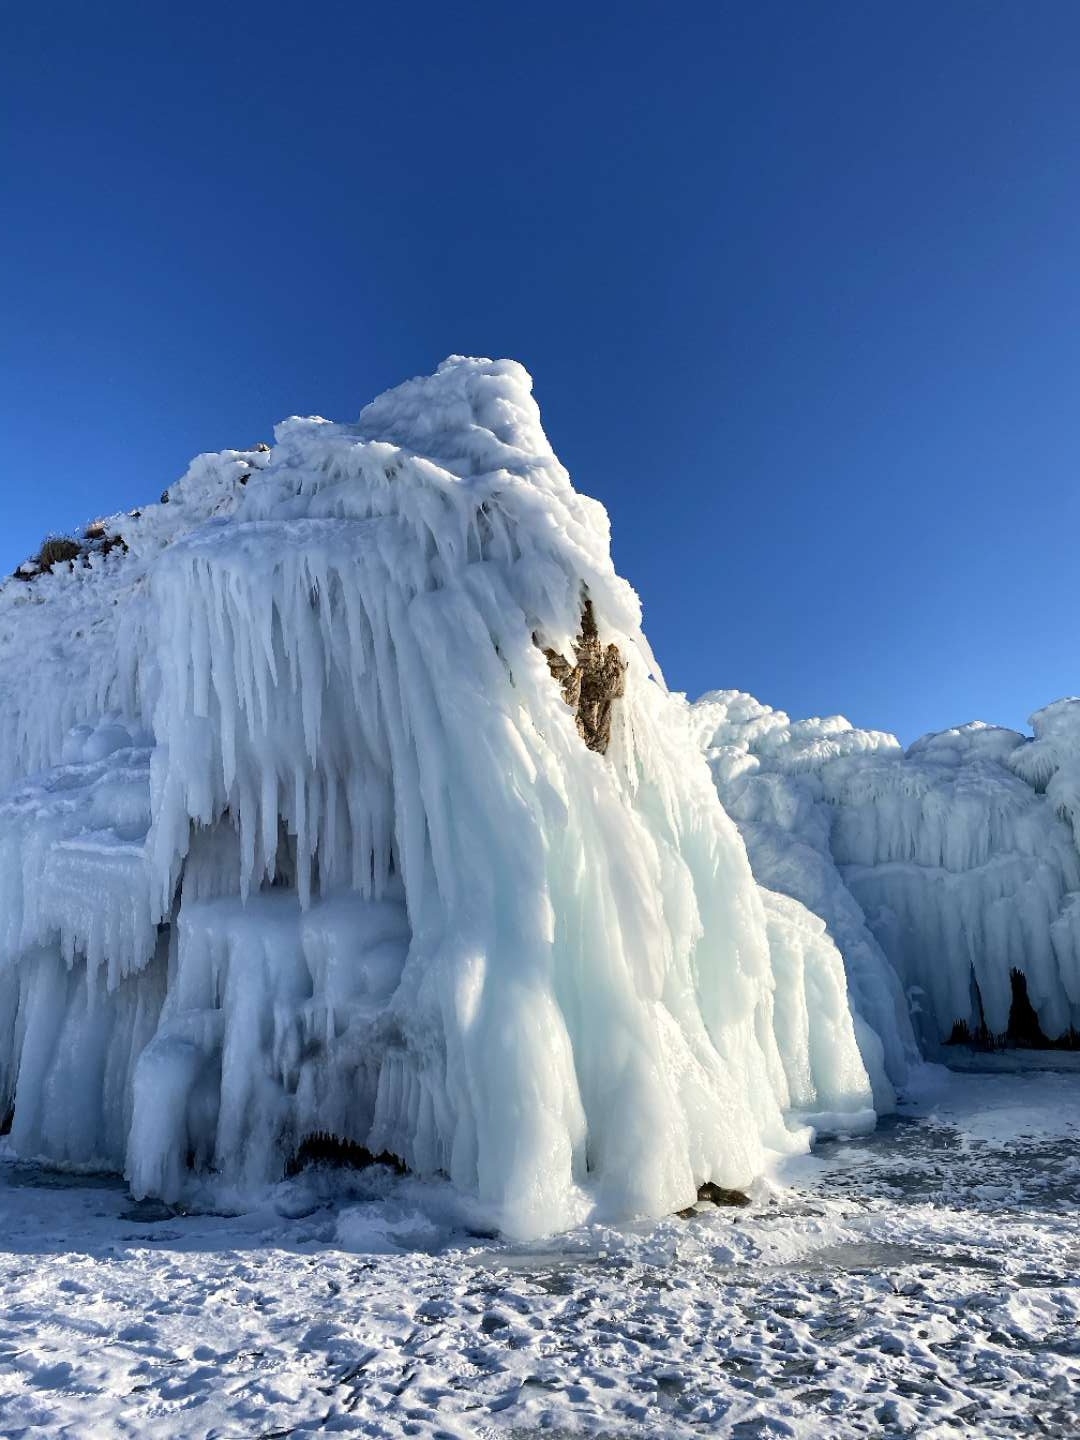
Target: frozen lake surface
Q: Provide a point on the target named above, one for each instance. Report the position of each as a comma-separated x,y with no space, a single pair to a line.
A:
922,1281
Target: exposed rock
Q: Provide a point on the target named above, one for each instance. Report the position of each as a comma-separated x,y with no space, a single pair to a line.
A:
96,539
719,1196
100,540
109,543
713,1194
592,685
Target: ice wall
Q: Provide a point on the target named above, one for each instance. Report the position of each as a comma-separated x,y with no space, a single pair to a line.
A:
768,771
345,865
951,861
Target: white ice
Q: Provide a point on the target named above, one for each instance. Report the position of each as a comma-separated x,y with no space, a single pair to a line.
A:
940,871
322,850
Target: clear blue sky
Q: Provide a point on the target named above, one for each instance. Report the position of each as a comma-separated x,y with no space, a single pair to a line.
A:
799,284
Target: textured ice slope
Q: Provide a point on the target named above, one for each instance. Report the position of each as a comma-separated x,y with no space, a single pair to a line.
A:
956,859
327,852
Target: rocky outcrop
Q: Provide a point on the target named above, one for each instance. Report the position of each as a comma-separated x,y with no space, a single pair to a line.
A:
592,685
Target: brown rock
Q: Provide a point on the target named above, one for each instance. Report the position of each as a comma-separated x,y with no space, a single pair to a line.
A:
592,685
719,1196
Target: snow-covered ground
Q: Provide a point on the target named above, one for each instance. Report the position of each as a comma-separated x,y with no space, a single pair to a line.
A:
919,1281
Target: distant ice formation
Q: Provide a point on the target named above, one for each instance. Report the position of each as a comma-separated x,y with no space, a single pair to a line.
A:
346,799
956,860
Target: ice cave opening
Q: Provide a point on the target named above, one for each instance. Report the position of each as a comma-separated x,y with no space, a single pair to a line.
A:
1023,1031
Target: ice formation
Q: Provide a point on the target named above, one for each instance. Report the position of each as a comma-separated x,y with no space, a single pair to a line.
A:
308,832
943,873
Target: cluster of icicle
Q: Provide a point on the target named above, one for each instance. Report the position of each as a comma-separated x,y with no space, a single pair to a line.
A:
303,839
956,860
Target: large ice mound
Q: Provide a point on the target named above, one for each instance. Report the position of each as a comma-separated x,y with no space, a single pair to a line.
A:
955,862
323,822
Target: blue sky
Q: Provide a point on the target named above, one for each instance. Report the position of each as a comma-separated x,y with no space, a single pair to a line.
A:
799,285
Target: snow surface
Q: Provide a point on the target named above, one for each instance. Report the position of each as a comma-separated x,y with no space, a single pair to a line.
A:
957,859
301,837
919,1281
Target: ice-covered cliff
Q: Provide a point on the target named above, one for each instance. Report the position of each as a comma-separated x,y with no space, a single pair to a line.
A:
345,798
956,860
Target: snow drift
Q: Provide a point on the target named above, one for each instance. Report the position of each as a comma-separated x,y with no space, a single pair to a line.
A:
346,799
944,873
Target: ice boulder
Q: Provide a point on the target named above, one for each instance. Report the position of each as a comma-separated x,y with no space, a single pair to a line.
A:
418,853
